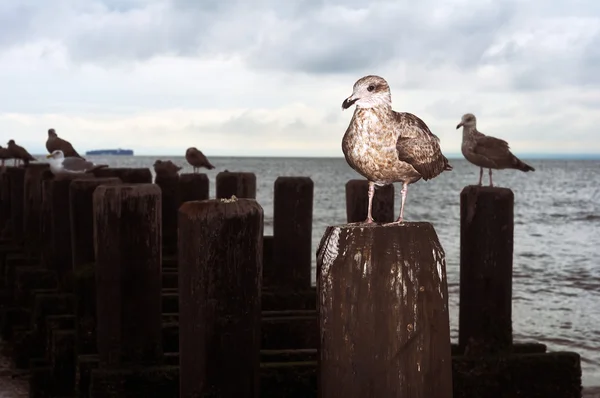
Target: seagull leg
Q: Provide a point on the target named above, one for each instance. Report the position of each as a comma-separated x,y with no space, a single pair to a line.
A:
404,192
480,176
371,194
491,183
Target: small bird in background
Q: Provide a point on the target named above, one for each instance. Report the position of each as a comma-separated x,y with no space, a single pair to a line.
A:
18,153
55,143
486,151
386,146
197,159
59,164
166,168
4,154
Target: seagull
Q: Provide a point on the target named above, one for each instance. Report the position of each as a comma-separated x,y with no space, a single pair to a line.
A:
19,153
486,151
54,142
386,146
59,164
164,168
197,159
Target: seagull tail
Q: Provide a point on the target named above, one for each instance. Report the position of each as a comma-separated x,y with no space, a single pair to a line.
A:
96,167
522,165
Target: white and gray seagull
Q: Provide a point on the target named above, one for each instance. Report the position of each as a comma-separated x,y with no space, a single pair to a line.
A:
59,164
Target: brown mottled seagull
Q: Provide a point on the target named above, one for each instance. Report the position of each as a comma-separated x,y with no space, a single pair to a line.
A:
55,143
165,168
386,146
19,153
197,159
486,151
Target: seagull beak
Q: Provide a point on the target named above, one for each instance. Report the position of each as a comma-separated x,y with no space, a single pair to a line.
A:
48,156
348,102
459,125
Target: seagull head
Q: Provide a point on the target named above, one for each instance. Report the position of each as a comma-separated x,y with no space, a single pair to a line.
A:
58,155
51,133
190,150
369,92
11,142
467,120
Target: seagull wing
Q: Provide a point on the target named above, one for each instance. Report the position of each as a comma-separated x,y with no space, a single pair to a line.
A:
76,165
418,146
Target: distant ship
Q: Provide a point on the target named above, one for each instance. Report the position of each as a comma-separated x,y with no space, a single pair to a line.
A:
121,152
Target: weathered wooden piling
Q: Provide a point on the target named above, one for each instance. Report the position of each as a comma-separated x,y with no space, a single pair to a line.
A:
383,309
169,187
220,261
61,255
81,195
292,234
242,185
486,258
16,176
193,186
32,209
4,200
129,175
357,202
127,230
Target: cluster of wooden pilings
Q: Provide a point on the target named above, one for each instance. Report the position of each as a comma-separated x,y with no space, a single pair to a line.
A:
114,286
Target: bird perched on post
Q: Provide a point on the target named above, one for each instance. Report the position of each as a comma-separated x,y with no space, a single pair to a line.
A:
387,146
165,168
19,153
59,164
54,143
486,151
197,159
4,154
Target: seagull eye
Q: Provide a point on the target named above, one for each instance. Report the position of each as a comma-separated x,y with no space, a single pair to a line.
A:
371,88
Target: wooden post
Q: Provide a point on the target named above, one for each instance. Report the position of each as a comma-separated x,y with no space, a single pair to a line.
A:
33,205
292,233
242,185
169,187
220,257
61,255
4,200
127,229
46,232
357,202
128,175
486,258
81,194
383,309
16,176
193,186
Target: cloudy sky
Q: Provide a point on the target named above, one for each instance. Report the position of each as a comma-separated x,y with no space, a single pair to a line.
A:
268,77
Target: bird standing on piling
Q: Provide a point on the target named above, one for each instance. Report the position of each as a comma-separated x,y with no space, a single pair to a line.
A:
486,151
197,159
387,146
19,153
165,167
59,164
55,143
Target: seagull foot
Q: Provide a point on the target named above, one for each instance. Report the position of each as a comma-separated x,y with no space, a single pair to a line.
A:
397,222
